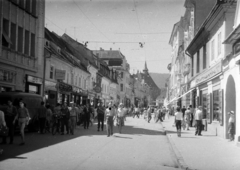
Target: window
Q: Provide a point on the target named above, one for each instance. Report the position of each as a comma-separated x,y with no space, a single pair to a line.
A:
198,61
28,6
79,83
13,36
192,66
204,57
20,39
26,43
121,74
32,50
51,72
34,5
121,87
76,81
219,43
212,50
21,4
5,36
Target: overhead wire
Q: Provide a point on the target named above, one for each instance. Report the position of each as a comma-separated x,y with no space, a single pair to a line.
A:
90,20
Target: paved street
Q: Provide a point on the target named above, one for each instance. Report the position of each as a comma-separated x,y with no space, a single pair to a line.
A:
141,145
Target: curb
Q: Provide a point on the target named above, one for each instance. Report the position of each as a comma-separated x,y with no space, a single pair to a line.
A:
177,154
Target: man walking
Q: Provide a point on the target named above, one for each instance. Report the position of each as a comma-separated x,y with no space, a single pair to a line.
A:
100,116
109,113
42,114
86,116
10,114
191,115
198,118
65,118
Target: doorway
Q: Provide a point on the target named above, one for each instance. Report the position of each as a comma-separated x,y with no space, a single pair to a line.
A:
230,100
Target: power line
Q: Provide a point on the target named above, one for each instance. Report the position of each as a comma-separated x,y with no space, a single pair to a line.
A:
54,24
90,20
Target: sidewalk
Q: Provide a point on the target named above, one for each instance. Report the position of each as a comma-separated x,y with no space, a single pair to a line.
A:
205,152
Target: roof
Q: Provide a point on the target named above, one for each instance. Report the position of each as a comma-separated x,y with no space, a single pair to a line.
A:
234,36
109,54
148,79
160,79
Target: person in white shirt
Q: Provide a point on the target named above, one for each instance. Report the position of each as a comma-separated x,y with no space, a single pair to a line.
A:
120,117
231,126
178,120
109,114
198,117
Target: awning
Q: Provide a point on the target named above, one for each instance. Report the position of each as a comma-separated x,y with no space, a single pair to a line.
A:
176,98
6,37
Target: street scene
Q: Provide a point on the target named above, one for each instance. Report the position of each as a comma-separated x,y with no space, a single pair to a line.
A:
119,84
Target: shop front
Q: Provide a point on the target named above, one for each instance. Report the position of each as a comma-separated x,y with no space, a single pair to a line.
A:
64,92
207,92
77,95
33,84
7,80
50,93
92,96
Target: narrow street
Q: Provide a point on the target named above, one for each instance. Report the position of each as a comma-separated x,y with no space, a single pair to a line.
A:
141,146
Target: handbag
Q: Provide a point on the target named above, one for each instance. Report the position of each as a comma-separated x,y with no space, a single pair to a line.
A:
3,131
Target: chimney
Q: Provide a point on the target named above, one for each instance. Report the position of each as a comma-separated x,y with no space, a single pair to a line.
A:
110,49
101,49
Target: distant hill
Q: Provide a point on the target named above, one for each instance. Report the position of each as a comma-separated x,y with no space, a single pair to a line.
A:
160,79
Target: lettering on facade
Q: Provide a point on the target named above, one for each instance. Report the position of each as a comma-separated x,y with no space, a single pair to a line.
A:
207,75
33,79
64,87
60,74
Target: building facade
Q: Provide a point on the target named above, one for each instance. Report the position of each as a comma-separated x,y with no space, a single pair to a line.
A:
22,45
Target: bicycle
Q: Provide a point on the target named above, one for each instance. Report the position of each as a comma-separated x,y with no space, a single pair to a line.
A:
56,124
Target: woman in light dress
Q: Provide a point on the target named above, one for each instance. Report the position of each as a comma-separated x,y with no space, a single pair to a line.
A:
120,117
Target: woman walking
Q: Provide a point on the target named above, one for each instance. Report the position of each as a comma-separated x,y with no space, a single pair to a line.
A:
23,119
120,117
178,120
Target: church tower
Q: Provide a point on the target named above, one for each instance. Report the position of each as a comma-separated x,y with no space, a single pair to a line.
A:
145,71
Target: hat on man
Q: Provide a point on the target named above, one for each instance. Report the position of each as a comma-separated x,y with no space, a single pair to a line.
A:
231,112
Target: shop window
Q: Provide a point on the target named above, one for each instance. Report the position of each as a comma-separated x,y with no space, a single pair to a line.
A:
204,56
20,39
26,43
32,45
5,35
51,72
13,36
217,108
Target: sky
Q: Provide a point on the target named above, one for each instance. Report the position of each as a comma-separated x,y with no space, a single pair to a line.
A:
120,25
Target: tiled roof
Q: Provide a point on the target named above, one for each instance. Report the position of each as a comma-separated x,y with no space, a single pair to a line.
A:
109,54
148,79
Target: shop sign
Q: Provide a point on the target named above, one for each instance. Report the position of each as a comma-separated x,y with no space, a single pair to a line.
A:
97,89
60,74
207,75
64,87
33,79
50,85
77,90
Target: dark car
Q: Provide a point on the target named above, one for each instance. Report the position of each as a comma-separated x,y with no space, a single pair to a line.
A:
31,101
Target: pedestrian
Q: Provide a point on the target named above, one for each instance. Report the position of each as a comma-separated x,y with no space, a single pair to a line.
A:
120,117
109,114
187,117
149,112
65,118
42,114
2,123
159,115
231,125
183,110
167,112
198,119
191,115
163,113
23,119
73,117
10,114
49,115
100,116
178,120
86,116
136,112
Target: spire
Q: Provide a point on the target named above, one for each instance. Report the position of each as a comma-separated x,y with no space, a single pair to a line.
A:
145,68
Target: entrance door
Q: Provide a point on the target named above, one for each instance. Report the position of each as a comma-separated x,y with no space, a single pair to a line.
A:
230,100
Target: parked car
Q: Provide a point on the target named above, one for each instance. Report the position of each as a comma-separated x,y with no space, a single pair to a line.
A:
32,102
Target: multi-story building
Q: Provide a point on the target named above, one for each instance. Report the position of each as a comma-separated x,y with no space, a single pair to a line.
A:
207,52
116,60
22,45
66,78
